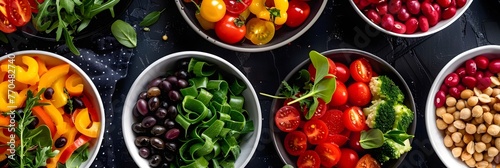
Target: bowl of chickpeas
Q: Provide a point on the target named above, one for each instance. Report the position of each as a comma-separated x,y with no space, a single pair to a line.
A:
462,109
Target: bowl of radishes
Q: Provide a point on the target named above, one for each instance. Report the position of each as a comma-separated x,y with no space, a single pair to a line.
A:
464,132
410,18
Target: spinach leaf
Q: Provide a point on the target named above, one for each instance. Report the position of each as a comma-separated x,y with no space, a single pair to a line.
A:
78,157
124,33
40,135
371,139
151,18
320,63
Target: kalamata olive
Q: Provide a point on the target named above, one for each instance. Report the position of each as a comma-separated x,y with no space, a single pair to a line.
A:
148,122
161,113
449,12
181,74
403,14
460,3
387,22
155,161
153,92
48,93
33,123
141,141
171,146
174,95
136,113
444,88
137,128
142,106
413,6
481,62
483,83
399,27
60,142
77,103
452,79
470,67
169,156
454,92
373,16
172,79
172,112
440,99
394,6
143,95
157,143
461,72
172,134
144,152
169,124
181,83
430,13
444,3
154,83
158,130
153,103
411,25
494,66
469,82
381,8
423,23
165,86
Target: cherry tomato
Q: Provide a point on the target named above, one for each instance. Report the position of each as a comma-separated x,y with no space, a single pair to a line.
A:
212,10
328,153
34,5
237,6
331,69
354,119
206,25
342,72
287,118
333,120
298,11
348,159
5,25
18,12
367,161
337,139
320,110
354,142
230,29
296,105
295,143
316,131
361,70
309,159
359,94
259,31
340,95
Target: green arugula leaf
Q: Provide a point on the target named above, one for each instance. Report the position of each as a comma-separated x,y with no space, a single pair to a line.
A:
78,157
124,33
151,18
371,139
44,153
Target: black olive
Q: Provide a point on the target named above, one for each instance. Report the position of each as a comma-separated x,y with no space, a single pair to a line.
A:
142,106
181,74
174,95
172,134
148,122
60,142
141,141
181,83
165,165
158,130
161,113
169,124
172,112
153,103
172,80
155,82
77,103
144,152
165,86
157,143
169,156
137,128
155,161
171,146
143,95
48,93
33,124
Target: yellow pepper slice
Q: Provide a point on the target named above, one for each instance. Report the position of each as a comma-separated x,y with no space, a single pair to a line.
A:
42,68
54,73
74,85
29,76
56,117
82,123
7,103
59,98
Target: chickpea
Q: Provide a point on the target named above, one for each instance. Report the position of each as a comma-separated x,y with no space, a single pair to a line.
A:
470,128
496,119
492,151
482,164
470,162
447,141
467,138
488,91
497,143
456,137
477,156
451,101
451,109
448,118
493,130
477,111
472,101
486,138
492,101
486,108
465,155
465,113
460,144
456,115
495,92
466,94
481,129
477,137
470,148
479,147
441,124
479,120
460,104
488,117
440,111
452,129
457,151
496,106
459,124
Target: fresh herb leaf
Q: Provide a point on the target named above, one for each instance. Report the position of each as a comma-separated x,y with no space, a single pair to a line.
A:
151,18
320,63
78,157
371,139
124,33
303,77
398,136
312,108
44,153
69,103
3,38
40,136
69,42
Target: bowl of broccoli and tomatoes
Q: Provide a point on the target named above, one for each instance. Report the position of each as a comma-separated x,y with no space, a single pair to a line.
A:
343,108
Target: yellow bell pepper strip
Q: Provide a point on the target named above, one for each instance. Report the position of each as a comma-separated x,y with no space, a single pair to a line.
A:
56,118
54,73
82,139
82,122
42,68
70,137
74,85
276,14
21,98
212,10
45,119
31,75
92,110
8,97
4,65
59,98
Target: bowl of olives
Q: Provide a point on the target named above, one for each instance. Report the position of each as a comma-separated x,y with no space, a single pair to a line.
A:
191,108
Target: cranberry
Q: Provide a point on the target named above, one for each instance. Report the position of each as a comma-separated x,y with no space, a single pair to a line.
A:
440,99
411,25
381,8
413,6
429,12
373,16
461,3
469,82
461,72
423,23
444,3
452,79
394,6
399,27
470,67
482,62
403,14
387,22
449,12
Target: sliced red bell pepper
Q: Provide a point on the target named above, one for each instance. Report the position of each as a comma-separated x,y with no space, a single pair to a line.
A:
82,139
45,119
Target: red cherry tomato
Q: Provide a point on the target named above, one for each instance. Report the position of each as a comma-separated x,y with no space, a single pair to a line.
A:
354,142
316,131
348,159
333,120
337,139
331,69
359,94
298,11
320,110
340,95
18,12
295,143
5,25
308,159
230,29
367,161
361,70
237,6
328,153
296,105
342,72
34,5
354,119
287,118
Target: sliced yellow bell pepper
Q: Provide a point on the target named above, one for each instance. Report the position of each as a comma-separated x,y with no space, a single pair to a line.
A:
276,14
54,73
42,68
82,123
56,117
59,98
29,76
74,85
7,103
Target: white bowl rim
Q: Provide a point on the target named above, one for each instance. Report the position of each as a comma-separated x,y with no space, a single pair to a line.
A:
129,133
430,116
442,23
84,75
243,49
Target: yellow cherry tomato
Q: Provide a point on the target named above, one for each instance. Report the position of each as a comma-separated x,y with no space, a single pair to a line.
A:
206,25
212,10
259,31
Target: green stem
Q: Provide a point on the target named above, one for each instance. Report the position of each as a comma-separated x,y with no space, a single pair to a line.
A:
272,96
310,94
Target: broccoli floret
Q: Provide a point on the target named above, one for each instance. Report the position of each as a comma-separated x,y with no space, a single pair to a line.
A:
383,87
390,150
404,117
380,115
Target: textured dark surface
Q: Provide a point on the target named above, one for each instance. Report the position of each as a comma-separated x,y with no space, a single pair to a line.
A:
417,60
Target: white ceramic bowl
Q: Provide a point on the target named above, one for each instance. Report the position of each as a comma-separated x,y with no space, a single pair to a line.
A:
436,28
158,68
436,136
89,90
